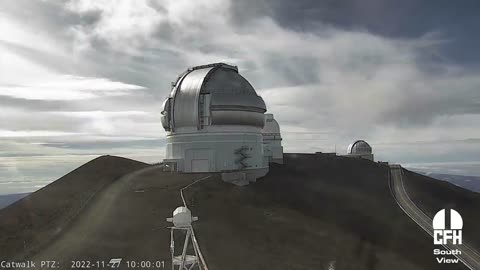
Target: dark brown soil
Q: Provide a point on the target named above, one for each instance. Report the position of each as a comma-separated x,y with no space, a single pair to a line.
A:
306,214
313,210
32,222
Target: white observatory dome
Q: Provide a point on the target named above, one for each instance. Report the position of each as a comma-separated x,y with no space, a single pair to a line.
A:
214,120
359,147
212,94
272,140
271,126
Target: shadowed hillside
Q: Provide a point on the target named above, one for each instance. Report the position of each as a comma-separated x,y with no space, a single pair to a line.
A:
313,210
8,199
33,221
432,195
467,182
307,214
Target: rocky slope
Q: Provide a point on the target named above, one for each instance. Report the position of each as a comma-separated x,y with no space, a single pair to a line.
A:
313,212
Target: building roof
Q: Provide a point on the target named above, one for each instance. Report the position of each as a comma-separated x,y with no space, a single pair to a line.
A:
232,99
359,147
271,125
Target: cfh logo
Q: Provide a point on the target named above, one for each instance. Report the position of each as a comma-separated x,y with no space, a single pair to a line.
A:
441,234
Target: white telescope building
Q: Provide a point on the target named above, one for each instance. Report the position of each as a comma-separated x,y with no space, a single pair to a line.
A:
272,140
360,149
214,121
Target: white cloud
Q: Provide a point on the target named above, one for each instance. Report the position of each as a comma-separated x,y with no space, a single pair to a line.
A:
16,32
15,69
347,84
68,87
99,113
359,79
123,23
326,87
30,134
122,123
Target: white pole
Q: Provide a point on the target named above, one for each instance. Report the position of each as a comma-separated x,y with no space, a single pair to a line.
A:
184,252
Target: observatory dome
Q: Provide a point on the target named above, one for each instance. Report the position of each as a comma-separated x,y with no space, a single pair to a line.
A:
214,94
359,147
214,121
272,140
271,126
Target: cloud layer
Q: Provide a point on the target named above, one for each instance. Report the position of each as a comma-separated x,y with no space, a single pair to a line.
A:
80,75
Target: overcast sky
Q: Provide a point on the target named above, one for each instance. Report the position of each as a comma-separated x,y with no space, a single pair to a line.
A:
83,78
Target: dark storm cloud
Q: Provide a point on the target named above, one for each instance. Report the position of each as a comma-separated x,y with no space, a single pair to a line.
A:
455,21
409,18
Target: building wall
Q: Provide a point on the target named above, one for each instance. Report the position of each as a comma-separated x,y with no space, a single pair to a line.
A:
364,156
215,151
273,150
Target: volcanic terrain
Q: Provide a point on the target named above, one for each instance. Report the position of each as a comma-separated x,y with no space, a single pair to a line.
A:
314,212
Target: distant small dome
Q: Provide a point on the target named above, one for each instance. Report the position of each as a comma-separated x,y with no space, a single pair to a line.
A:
271,125
359,147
